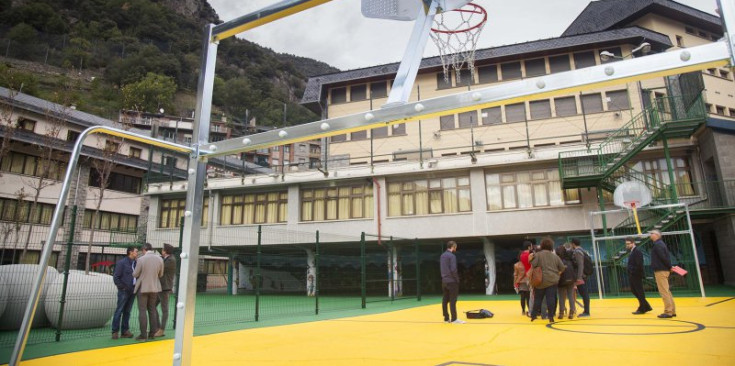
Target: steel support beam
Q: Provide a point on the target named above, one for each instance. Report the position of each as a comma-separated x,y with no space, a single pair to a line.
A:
186,298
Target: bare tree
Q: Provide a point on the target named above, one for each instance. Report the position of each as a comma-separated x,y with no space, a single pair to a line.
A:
103,166
7,124
48,168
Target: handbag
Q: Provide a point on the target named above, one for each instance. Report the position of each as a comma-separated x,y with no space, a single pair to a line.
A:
479,314
536,276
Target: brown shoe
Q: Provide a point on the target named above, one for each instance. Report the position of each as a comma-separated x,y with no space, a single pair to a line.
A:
126,334
114,335
141,338
159,333
151,336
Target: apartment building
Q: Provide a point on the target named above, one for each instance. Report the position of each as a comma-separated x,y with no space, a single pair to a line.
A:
494,177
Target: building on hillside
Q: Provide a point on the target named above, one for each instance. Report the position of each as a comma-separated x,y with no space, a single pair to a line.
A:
495,177
38,137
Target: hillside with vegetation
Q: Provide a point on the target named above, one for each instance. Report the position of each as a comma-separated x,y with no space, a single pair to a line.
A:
107,55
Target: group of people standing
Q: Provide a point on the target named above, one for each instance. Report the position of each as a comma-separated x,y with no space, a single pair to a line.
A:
149,278
563,274
565,271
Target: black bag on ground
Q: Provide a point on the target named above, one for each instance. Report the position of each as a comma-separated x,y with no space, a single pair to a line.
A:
479,314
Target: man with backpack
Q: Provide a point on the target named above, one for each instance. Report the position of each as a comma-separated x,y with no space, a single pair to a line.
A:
566,282
583,267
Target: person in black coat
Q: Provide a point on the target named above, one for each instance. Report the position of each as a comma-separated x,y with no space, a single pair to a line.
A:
635,276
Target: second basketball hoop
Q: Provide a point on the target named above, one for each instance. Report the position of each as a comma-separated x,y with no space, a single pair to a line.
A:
455,33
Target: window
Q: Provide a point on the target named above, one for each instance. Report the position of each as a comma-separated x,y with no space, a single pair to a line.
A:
708,107
689,30
112,147
15,162
72,136
615,51
442,82
338,138
464,78
337,203
537,188
172,210
135,152
20,211
540,109
720,110
379,132
535,67
724,74
338,95
26,124
359,135
446,122
116,182
515,112
657,175
467,119
592,103
732,112
378,90
358,92
617,100
559,63
511,70
429,196
254,208
679,41
488,74
111,221
584,59
565,106
491,116
399,129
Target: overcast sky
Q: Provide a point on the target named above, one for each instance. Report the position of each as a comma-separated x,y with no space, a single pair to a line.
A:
338,34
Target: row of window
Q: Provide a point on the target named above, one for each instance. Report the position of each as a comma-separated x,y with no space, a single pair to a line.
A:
173,210
117,182
721,110
343,203
257,208
14,210
723,73
538,109
111,221
702,34
377,89
19,163
20,211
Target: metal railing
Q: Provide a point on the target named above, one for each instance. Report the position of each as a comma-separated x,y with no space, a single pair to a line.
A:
631,138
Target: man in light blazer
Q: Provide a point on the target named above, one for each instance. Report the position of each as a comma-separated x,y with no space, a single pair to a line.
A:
148,270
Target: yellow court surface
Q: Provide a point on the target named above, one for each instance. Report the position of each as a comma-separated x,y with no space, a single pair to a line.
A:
703,333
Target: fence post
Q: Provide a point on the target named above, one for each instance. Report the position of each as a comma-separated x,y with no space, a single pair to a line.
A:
67,264
418,270
391,273
362,270
257,275
178,265
316,276
230,259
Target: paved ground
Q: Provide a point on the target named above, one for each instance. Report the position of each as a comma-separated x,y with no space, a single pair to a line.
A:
702,333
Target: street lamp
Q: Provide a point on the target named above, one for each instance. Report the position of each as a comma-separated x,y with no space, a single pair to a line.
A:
644,48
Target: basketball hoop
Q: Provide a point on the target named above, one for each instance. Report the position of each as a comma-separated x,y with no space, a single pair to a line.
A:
455,34
632,195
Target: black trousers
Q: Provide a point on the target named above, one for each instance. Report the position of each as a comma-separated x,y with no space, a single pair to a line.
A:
584,293
540,294
636,287
451,291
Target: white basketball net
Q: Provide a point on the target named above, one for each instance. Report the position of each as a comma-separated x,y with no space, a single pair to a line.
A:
456,33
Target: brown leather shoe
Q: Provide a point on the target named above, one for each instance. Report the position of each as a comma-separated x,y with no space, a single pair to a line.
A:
114,335
141,338
126,334
159,333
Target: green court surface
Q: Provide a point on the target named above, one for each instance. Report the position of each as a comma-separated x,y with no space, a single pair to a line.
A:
408,332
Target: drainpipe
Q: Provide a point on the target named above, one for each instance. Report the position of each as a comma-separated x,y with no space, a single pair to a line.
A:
377,190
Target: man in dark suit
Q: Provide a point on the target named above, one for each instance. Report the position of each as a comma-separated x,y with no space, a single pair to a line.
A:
450,283
635,276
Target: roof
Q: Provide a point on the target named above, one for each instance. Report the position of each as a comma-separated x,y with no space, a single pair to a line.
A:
85,120
314,91
603,15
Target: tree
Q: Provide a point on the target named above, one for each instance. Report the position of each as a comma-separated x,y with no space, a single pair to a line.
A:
150,94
